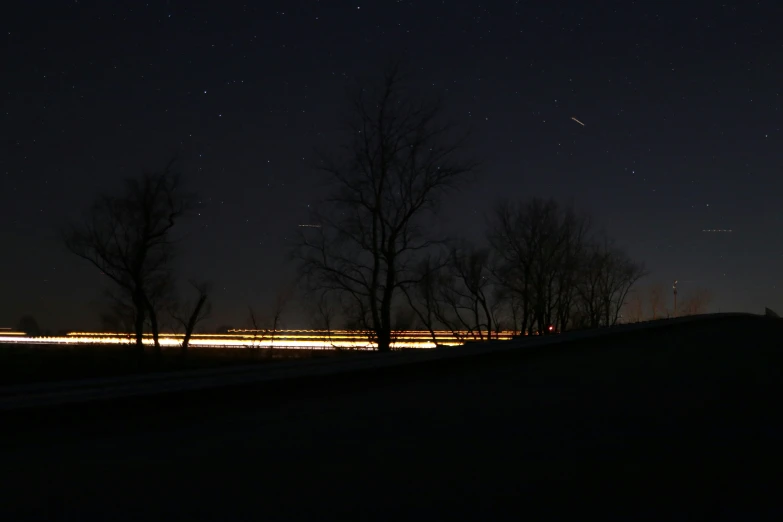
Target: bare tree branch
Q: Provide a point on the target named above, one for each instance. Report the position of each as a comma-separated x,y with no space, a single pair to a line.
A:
191,314
556,276
400,160
128,237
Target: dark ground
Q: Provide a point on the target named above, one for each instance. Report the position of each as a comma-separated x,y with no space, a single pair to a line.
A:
680,423
23,364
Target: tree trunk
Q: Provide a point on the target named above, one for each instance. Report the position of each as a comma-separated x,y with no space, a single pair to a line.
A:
140,305
477,321
155,332
384,340
485,307
191,325
384,335
185,341
432,332
514,316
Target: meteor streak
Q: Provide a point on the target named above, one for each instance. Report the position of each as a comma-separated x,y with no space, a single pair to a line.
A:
579,122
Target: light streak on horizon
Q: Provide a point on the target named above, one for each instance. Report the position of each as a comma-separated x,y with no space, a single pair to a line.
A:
289,339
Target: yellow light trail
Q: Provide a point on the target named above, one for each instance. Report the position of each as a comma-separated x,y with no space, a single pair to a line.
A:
579,122
288,339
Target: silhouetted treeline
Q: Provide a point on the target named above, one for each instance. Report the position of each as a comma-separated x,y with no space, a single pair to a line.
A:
372,252
543,270
370,260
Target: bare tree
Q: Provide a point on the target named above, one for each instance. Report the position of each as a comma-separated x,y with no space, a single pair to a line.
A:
500,308
555,274
189,314
608,275
513,308
574,230
266,327
258,334
128,237
546,260
456,313
399,161
281,301
404,319
538,246
255,327
472,289
117,313
325,313
160,300
423,296
511,234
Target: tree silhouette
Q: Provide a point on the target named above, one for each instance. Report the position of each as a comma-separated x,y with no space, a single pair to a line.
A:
29,326
425,296
468,291
399,161
189,314
539,247
128,237
117,313
267,326
556,272
608,274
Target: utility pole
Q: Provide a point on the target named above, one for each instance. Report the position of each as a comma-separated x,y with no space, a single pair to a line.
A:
674,287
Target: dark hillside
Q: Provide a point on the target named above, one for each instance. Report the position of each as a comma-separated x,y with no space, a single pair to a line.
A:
639,422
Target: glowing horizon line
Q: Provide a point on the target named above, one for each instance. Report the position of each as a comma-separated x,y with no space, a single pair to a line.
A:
306,339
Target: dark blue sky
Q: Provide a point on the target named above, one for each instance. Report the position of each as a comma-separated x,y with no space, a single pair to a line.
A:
680,101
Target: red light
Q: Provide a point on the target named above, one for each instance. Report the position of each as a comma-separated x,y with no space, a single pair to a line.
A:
551,327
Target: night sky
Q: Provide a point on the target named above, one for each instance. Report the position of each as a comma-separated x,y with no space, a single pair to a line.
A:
680,103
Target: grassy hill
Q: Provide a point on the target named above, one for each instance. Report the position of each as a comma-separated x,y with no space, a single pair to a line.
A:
679,422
